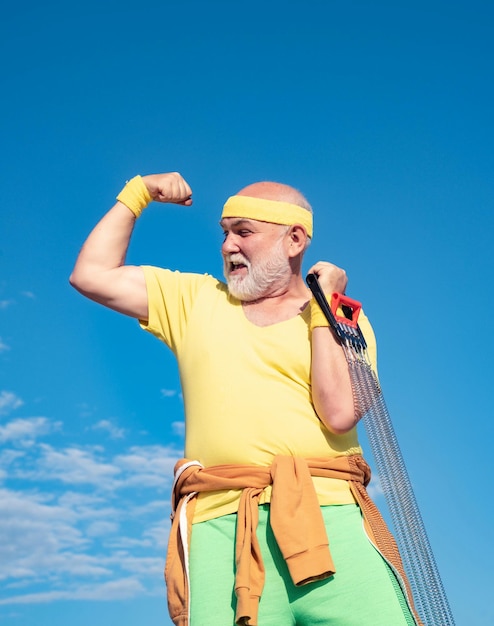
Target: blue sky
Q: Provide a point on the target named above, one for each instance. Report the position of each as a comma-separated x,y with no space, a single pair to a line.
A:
381,113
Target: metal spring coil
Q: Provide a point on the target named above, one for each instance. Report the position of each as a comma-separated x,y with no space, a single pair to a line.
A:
418,560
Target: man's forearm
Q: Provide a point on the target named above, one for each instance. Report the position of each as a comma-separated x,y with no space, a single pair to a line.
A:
331,385
332,392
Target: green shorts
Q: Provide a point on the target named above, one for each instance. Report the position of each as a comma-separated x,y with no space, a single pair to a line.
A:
362,592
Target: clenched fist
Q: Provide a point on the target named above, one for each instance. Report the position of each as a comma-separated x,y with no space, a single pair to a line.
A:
171,187
331,277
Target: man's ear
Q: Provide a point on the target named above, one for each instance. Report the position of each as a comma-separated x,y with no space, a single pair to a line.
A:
298,240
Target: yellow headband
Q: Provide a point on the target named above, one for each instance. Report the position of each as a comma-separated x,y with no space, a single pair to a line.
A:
271,211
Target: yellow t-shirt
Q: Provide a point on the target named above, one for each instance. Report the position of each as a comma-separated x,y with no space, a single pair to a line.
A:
246,388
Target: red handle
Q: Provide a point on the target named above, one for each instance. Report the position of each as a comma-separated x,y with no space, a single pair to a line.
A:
338,300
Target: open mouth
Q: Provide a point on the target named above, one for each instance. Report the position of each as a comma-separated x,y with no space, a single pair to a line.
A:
236,266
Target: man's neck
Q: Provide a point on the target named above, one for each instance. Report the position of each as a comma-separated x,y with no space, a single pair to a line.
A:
278,306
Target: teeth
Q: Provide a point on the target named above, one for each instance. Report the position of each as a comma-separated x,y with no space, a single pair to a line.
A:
236,263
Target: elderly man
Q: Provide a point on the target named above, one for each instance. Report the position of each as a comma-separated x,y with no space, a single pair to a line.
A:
273,471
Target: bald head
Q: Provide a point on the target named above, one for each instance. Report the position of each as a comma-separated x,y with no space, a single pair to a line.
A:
276,191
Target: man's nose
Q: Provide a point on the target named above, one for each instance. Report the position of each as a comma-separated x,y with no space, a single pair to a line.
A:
230,244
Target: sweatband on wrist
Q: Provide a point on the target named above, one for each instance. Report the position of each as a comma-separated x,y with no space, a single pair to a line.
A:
317,317
135,196
271,211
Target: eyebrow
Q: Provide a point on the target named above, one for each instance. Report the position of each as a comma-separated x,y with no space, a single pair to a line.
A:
240,222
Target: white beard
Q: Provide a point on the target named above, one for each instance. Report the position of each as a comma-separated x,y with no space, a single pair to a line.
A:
272,271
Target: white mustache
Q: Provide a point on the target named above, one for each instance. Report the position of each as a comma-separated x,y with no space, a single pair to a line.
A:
237,257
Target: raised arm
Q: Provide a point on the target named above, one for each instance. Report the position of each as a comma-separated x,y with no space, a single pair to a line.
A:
331,386
100,272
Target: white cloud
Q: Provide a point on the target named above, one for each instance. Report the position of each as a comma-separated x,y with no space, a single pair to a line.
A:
374,488
125,543
85,410
75,466
178,428
31,508
168,393
88,506
159,533
9,402
35,535
80,522
113,431
25,429
139,466
46,540
5,303
153,506
101,528
149,466
141,565
28,294
3,346
122,589
8,457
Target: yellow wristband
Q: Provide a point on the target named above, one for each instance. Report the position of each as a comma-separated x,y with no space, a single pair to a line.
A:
135,196
317,317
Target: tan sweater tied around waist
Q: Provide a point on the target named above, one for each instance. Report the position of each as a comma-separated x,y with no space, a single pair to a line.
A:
295,518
